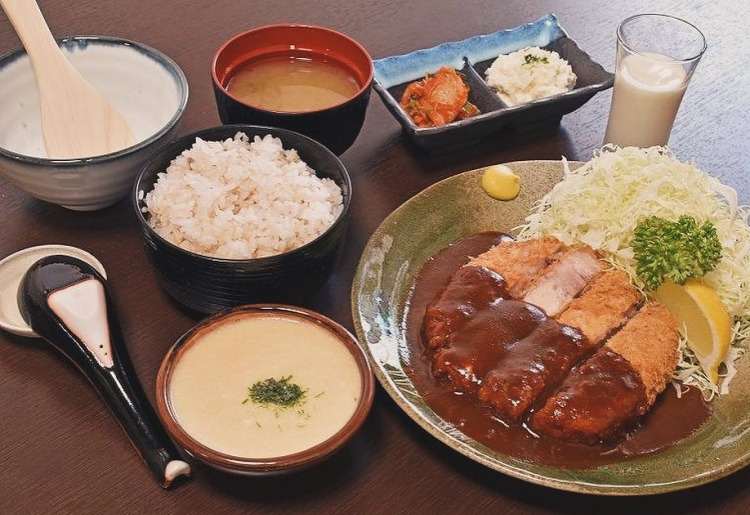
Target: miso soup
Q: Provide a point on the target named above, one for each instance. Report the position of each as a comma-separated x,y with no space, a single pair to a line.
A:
293,84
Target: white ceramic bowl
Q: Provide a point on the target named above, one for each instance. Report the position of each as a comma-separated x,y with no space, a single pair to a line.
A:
146,86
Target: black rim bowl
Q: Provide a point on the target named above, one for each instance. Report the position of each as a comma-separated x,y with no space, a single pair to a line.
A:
206,284
347,119
337,127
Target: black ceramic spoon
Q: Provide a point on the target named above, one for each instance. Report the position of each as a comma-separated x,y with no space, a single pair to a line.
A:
66,302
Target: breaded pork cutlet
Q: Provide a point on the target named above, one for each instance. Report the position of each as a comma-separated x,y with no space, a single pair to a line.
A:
541,360
519,262
469,290
605,305
534,364
479,344
558,284
618,384
651,347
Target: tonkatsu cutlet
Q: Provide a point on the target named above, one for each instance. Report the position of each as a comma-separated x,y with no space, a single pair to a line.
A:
540,361
519,262
563,280
606,303
504,271
545,334
651,347
534,364
485,339
469,290
611,390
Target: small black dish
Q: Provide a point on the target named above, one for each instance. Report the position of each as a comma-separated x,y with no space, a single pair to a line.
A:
205,284
472,57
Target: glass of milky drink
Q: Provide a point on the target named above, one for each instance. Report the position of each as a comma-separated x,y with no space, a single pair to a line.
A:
656,56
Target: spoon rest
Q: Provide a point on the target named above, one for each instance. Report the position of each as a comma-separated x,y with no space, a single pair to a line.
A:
66,301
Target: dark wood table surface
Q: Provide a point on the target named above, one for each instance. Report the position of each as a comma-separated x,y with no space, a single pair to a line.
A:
61,451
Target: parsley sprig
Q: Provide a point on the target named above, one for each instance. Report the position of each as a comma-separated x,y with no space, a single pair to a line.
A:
534,59
667,250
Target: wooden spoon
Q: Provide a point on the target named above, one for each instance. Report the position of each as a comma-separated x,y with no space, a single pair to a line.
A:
77,121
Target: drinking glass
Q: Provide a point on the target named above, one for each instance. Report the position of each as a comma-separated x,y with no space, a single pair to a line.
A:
656,57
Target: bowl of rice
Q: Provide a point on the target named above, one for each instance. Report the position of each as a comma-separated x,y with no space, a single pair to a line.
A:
241,214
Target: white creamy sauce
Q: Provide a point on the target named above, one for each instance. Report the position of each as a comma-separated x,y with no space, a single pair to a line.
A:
209,385
529,74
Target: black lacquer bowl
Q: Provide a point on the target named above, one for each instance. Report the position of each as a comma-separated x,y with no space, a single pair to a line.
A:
337,126
205,284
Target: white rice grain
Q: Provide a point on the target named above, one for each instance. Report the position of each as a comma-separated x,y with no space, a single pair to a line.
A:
241,199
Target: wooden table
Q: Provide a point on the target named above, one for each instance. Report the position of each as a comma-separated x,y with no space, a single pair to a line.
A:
60,449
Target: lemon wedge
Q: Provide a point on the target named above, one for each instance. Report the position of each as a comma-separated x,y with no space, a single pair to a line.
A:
702,318
500,182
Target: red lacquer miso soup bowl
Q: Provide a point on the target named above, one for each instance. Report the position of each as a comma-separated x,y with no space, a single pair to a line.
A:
308,79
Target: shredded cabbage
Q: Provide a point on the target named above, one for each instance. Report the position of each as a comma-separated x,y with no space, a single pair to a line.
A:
601,202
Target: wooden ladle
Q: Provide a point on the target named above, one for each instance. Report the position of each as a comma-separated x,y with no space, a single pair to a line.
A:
77,121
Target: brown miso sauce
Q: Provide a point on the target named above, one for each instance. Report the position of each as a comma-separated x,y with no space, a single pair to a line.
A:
669,421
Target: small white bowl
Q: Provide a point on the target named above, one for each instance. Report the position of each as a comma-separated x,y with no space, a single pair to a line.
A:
143,84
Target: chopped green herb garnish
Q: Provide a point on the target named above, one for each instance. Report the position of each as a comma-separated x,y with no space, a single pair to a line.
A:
533,59
280,393
674,250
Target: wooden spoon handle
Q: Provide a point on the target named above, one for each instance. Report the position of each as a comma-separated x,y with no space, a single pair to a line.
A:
35,35
77,120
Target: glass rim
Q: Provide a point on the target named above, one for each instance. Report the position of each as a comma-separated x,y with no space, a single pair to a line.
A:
699,34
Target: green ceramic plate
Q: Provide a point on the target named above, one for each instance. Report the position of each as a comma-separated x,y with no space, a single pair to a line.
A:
458,207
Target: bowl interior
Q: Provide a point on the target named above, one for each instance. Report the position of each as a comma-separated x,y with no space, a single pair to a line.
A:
295,41
205,338
143,84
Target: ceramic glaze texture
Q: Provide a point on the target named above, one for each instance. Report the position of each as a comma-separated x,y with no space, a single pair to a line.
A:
67,302
458,207
338,126
147,87
12,270
472,57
